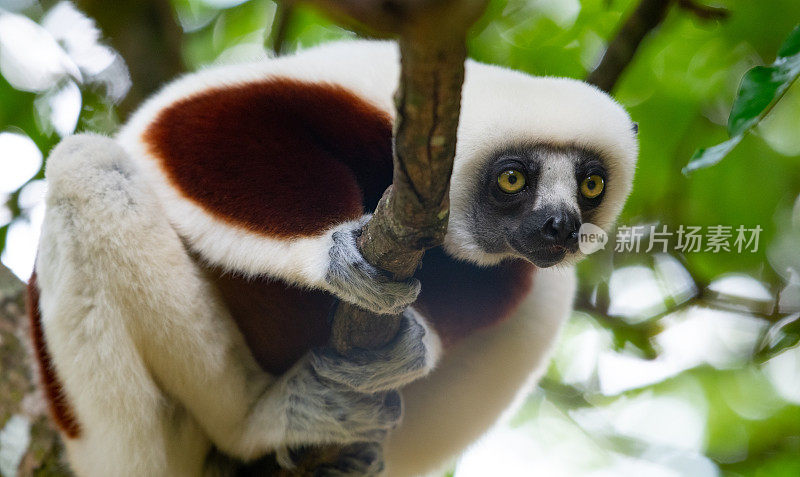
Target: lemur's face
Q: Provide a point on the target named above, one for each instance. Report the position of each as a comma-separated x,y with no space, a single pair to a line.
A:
529,202
536,157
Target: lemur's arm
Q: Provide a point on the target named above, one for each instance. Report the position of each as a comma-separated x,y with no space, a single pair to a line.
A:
105,226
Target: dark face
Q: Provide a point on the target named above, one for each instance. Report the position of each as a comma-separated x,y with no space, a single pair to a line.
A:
531,202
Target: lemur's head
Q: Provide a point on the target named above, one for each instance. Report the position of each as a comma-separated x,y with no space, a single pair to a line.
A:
536,158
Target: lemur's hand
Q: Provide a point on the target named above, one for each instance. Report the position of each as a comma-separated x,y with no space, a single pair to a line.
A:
351,278
322,411
408,357
362,459
354,399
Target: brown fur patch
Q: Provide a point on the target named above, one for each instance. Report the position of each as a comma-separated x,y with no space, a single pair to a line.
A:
459,298
280,157
281,322
60,408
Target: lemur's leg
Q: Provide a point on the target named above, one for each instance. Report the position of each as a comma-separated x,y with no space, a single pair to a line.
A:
93,242
111,262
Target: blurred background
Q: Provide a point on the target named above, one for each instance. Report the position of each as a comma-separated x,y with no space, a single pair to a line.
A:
675,363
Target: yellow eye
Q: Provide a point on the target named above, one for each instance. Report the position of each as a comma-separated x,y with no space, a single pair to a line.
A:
511,181
592,186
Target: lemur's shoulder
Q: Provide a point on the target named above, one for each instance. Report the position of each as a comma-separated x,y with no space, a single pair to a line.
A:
279,157
284,147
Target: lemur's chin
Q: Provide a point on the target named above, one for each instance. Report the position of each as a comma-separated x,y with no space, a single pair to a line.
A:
543,256
547,257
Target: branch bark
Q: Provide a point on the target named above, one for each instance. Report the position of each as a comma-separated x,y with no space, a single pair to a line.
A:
620,52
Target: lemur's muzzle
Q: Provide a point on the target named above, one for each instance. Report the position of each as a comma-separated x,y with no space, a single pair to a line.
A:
547,234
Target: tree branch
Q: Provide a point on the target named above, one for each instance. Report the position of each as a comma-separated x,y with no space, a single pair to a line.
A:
646,18
412,215
276,38
704,12
621,50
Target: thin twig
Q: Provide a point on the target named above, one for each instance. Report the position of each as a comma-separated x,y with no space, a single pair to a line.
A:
276,39
621,50
704,12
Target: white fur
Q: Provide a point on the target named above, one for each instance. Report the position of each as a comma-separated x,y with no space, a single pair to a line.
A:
149,357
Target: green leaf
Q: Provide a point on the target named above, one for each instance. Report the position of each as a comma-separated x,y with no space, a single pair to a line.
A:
791,46
779,337
3,235
709,156
763,86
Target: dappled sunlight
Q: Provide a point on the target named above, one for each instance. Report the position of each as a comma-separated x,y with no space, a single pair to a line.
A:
59,109
646,435
705,336
30,57
675,281
23,233
743,292
673,421
635,294
580,368
20,159
619,372
783,372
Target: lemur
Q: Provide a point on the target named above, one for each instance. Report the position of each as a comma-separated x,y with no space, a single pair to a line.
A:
188,266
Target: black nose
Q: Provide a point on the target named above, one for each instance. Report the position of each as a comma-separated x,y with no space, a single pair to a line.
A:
561,228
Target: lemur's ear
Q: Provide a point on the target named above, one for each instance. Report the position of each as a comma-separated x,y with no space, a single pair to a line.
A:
635,128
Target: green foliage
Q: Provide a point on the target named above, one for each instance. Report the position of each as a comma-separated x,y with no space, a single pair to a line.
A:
707,157
761,88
